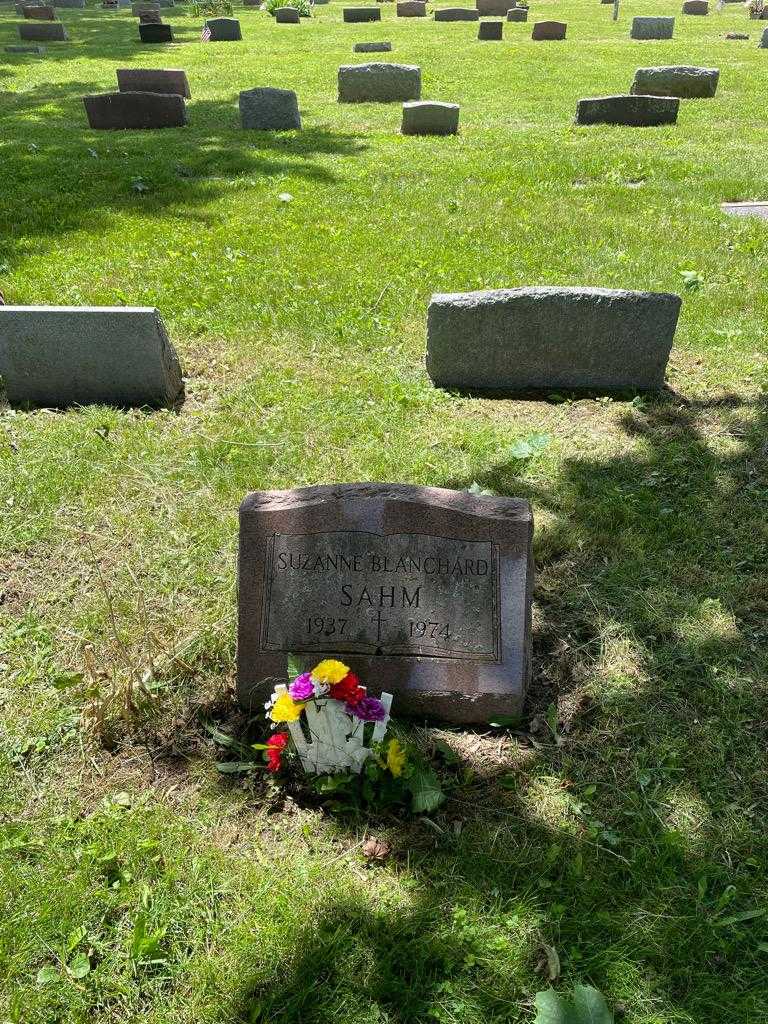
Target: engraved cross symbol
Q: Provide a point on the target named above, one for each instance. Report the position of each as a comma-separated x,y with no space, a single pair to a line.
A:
379,621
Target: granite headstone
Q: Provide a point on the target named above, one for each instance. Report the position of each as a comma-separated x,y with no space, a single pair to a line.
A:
267,109
457,14
156,33
512,340
43,32
58,356
172,81
120,110
422,591
490,30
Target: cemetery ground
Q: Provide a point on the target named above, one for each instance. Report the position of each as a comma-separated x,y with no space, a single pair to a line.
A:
617,835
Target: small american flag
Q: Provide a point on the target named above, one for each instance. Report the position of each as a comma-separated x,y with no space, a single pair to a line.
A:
205,35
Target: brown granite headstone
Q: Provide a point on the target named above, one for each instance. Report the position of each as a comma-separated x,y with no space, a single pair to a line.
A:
116,110
40,12
422,591
549,30
166,80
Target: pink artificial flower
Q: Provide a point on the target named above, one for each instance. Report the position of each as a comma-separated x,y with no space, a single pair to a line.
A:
301,688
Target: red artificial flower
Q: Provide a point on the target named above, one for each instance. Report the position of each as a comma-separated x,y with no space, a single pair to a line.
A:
349,689
275,746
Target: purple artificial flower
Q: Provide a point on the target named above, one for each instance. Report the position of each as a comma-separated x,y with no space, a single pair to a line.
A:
370,709
301,688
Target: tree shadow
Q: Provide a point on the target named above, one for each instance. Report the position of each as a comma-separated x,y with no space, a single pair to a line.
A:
627,839
99,173
109,34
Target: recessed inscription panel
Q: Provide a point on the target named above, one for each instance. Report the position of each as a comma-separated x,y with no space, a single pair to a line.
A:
401,594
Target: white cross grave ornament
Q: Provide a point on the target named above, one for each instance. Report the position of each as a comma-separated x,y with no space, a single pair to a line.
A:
336,739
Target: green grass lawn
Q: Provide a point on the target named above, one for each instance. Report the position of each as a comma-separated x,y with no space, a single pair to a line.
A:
634,846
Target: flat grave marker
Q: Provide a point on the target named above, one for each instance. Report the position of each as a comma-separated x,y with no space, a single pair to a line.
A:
746,209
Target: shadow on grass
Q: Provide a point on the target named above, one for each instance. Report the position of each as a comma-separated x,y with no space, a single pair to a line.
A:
633,844
65,177
111,34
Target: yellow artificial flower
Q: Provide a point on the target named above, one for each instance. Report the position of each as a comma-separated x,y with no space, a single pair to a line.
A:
329,671
285,709
395,758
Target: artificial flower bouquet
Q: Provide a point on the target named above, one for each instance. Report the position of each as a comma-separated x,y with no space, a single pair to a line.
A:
341,738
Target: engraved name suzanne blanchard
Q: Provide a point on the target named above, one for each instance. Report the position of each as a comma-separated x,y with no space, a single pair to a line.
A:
430,565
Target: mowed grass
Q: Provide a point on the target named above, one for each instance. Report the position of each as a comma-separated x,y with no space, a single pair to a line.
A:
634,843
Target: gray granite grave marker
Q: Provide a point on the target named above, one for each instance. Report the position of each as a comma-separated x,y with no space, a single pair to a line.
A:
266,109
372,48
287,16
379,83
422,591
746,209
518,339
652,28
680,80
58,356
411,9
427,117
43,32
224,30
630,111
